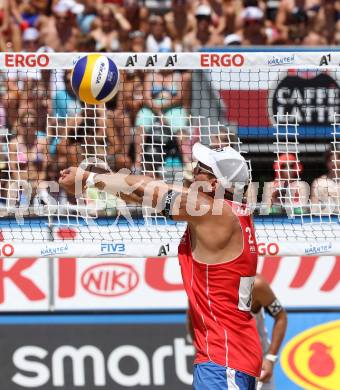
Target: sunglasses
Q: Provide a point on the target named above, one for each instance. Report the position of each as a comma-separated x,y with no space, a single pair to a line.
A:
203,17
203,168
253,22
62,18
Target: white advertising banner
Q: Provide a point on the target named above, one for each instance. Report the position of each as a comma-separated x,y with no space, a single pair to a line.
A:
150,283
224,60
304,281
118,284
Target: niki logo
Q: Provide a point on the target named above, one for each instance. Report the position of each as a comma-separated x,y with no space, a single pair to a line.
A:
310,359
110,279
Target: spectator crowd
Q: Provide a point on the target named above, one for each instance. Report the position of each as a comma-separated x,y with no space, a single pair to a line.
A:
28,99
165,25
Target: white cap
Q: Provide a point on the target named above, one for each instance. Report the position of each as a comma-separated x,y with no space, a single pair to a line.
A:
226,163
68,6
232,39
252,13
203,10
30,34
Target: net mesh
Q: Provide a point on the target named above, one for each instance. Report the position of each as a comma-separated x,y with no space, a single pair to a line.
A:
286,122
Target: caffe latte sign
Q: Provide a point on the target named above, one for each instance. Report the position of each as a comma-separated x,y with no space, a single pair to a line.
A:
312,97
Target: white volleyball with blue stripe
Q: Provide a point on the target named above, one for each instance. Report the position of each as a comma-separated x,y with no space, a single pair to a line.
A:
95,79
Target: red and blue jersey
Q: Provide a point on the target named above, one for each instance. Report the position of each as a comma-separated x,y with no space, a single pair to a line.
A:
220,302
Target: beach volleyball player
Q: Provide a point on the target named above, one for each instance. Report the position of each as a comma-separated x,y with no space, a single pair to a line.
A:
218,258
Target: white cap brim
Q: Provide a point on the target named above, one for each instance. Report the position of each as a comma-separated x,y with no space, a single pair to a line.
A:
202,154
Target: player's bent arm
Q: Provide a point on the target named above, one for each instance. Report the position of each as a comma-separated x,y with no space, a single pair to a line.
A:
278,332
179,203
176,202
264,296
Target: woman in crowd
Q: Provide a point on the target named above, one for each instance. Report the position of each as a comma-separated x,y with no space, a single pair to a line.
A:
286,191
325,190
28,159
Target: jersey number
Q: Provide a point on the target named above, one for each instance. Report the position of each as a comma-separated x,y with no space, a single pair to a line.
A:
250,235
245,292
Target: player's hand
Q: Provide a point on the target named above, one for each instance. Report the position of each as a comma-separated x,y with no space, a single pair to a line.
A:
267,370
73,180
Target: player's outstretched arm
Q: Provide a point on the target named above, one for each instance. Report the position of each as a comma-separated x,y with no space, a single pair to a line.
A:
177,202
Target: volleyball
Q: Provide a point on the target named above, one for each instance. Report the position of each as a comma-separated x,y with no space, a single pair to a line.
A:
95,79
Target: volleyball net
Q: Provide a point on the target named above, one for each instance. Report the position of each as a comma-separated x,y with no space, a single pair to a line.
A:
281,110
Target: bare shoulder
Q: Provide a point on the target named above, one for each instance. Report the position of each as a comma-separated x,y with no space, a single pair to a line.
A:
13,145
96,32
190,37
286,4
169,17
43,21
260,282
320,179
192,19
216,38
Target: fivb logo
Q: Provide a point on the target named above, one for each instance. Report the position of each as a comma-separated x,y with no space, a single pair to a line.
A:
111,248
